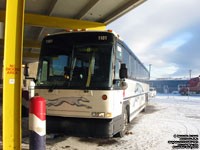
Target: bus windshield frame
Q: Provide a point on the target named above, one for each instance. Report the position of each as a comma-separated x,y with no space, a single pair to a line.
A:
67,62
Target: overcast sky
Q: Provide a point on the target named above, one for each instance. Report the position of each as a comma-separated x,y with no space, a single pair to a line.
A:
164,33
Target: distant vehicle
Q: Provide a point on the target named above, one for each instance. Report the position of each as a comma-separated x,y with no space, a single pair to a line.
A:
180,86
175,92
152,92
192,86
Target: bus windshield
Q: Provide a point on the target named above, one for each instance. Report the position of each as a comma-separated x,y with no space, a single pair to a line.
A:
75,66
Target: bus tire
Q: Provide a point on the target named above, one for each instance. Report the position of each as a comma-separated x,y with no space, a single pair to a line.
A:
144,109
147,98
146,103
124,123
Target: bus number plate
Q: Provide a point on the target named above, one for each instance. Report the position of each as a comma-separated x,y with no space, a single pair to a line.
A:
102,38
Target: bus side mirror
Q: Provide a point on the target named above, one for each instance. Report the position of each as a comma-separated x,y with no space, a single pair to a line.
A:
123,72
26,72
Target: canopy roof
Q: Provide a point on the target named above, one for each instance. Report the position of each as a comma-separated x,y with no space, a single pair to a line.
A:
101,11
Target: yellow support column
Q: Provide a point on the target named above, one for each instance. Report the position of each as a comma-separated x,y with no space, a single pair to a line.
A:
12,75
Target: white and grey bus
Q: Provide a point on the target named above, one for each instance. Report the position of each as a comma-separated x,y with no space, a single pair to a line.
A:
92,82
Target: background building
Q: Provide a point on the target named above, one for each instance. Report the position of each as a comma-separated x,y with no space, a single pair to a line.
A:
166,85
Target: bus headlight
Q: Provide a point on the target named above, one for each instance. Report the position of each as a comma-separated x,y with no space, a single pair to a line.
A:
98,114
93,114
101,114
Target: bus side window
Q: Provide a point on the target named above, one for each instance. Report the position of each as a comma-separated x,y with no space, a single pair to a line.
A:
118,61
119,53
133,67
44,71
126,60
117,67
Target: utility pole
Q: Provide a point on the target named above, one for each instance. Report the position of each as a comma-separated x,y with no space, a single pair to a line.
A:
150,71
190,73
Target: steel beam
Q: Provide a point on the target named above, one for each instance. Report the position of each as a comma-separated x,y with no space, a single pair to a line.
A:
31,55
26,54
57,22
85,9
49,13
12,75
26,43
121,11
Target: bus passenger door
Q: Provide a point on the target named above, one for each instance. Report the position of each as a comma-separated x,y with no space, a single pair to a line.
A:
117,102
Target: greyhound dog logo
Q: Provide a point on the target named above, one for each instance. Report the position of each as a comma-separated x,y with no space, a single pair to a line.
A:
74,101
138,88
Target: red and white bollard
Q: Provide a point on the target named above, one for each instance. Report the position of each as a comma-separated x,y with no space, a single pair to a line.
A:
37,123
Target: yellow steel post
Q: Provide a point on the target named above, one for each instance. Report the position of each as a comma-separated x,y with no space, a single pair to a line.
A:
12,75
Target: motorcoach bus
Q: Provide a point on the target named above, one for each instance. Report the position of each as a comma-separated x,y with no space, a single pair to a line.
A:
92,82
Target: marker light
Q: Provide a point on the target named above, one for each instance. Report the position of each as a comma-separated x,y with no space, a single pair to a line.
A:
109,30
68,30
84,29
46,34
104,97
109,115
76,30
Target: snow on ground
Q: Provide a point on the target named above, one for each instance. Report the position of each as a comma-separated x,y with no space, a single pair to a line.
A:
166,116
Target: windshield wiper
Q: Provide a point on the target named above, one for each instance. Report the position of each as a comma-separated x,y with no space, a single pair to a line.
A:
90,70
72,68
